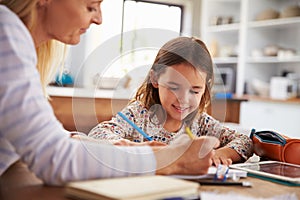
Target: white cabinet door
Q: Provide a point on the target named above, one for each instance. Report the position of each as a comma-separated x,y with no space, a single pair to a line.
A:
281,117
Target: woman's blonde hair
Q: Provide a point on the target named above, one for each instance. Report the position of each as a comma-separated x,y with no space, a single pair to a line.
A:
51,53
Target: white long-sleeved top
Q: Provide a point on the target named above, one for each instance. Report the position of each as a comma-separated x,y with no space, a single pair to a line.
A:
29,130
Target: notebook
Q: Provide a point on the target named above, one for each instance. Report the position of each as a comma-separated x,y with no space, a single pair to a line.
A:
133,188
211,174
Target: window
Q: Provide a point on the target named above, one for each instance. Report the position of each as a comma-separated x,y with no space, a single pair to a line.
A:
136,49
144,14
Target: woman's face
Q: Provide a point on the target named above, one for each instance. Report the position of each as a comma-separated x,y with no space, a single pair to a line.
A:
180,89
66,20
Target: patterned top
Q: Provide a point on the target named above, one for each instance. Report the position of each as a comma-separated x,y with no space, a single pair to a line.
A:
202,125
29,130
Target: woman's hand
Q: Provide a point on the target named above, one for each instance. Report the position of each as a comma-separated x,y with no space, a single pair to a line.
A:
225,156
188,156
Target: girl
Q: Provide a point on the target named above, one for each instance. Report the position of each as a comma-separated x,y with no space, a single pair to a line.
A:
29,130
175,95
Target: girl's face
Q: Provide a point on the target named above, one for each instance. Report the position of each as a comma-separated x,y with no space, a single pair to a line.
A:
66,20
180,88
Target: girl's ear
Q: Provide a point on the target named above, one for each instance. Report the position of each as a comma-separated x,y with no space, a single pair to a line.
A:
153,79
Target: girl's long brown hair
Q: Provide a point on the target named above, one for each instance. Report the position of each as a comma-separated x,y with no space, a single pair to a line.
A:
180,50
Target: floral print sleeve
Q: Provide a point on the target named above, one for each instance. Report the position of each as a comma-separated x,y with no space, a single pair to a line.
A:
240,142
117,128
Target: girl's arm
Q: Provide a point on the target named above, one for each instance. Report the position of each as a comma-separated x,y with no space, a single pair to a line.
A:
108,130
118,130
226,155
234,146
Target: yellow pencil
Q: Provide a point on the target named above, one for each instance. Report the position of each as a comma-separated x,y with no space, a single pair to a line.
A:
189,132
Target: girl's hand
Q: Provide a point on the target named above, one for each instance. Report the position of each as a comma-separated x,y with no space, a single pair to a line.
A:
83,137
225,156
153,143
124,142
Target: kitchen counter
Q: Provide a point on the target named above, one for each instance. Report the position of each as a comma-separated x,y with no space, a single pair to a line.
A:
89,92
80,109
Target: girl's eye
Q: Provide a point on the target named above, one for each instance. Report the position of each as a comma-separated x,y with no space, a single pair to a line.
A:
194,92
173,88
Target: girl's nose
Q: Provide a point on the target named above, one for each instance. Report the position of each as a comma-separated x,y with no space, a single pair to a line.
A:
183,97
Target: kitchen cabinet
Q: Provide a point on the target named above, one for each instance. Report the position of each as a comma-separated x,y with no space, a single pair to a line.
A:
272,115
82,109
226,110
84,113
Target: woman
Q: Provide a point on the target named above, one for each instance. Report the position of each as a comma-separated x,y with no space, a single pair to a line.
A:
29,130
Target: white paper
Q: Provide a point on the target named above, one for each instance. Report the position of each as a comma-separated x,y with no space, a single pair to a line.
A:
211,173
235,196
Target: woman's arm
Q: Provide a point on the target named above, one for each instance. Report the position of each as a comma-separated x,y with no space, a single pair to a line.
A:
30,130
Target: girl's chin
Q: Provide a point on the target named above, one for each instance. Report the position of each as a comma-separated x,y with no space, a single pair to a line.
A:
179,117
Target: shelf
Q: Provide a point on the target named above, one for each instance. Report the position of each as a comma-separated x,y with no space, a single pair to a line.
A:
225,60
226,1
224,28
273,59
275,23
247,35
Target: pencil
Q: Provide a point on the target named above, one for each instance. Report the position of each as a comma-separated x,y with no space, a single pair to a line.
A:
135,126
189,132
243,184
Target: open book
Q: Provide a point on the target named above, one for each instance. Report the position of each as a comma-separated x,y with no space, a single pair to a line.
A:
133,188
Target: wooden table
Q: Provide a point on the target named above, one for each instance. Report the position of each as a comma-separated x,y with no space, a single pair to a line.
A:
19,183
